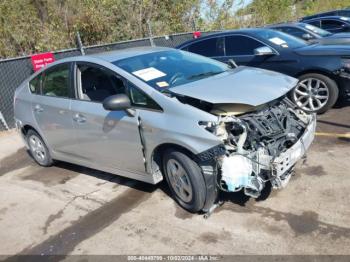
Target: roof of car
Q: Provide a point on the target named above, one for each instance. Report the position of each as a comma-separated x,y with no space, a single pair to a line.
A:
336,17
224,32
325,13
284,24
116,55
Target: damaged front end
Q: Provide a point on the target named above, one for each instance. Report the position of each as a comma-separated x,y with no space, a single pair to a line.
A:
260,146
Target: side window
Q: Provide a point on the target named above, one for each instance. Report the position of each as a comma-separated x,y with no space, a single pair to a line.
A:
56,81
97,83
315,23
140,99
294,31
34,84
331,24
209,47
240,45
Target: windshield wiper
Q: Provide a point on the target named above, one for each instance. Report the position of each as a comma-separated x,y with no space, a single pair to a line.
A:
204,75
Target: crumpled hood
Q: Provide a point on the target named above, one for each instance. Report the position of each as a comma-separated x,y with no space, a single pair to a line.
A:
243,85
324,50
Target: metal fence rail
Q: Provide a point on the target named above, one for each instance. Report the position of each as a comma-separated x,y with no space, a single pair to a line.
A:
15,70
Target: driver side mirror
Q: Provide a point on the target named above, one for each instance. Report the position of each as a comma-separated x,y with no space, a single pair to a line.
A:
307,37
117,103
264,51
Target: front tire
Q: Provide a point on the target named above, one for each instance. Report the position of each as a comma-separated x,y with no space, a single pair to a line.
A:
185,180
315,93
38,149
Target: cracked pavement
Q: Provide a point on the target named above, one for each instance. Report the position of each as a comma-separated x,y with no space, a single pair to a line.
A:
68,209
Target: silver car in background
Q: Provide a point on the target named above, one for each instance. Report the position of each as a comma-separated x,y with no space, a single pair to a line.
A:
150,113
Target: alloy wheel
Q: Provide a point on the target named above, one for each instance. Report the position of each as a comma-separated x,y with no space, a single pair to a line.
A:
311,94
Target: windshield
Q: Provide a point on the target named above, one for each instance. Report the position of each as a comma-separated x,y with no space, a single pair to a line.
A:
316,30
281,39
167,69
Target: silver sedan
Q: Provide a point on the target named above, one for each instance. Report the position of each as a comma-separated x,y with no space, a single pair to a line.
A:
150,113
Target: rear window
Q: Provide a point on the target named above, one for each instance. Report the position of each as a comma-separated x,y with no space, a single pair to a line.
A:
34,84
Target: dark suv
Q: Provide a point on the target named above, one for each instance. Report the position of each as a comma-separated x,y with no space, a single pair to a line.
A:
341,12
312,33
323,70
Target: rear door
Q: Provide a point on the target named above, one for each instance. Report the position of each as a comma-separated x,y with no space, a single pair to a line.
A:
107,138
210,47
51,108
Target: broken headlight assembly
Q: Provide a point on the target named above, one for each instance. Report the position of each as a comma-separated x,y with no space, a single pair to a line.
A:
216,128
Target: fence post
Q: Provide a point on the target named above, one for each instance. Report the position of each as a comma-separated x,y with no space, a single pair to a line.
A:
3,121
150,32
80,44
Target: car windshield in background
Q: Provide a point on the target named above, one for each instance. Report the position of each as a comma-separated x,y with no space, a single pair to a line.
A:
316,30
167,69
281,39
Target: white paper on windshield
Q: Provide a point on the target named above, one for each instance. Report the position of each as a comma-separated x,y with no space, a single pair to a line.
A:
149,73
162,84
277,41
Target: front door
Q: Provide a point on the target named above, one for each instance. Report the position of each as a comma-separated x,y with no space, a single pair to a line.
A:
110,139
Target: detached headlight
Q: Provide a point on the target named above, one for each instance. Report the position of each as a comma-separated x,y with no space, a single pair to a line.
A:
216,128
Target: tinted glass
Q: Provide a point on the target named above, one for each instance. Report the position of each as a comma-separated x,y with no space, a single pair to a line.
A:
209,47
344,13
241,45
331,24
34,84
280,39
315,29
56,81
166,69
315,23
140,99
98,83
293,31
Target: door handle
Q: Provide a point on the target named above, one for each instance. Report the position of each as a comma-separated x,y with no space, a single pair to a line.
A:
38,109
79,118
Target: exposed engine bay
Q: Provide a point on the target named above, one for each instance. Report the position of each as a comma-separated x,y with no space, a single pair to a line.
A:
259,146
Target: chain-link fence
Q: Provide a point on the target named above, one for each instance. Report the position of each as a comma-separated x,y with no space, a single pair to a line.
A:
14,71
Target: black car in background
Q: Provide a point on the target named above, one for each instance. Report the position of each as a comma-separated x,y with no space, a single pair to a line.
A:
323,70
333,24
341,12
312,33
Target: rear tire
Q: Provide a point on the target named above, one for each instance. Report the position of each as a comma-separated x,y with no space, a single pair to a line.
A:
38,149
315,93
185,180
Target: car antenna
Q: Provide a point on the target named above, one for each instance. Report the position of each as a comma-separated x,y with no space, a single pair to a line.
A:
232,64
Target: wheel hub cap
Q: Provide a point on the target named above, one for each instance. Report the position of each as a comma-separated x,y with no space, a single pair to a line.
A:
179,180
37,148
